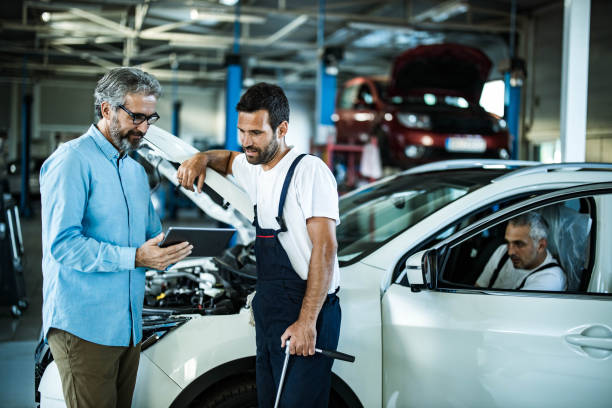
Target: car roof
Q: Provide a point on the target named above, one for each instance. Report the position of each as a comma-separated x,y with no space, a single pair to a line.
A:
515,168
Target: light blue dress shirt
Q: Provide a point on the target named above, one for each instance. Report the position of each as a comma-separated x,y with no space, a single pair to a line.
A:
96,211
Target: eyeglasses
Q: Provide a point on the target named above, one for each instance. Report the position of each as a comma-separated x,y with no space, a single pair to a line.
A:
138,118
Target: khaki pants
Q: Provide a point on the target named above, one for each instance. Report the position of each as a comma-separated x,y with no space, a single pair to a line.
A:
94,375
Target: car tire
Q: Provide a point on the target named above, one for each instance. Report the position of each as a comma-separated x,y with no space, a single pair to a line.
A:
241,392
238,392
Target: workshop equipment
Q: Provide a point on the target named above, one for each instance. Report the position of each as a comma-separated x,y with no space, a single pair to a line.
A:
12,283
329,353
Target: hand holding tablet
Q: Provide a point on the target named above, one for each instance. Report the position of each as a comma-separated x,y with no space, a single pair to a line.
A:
205,241
150,255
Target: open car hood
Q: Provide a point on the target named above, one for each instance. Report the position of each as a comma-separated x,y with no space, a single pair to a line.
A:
450,69
221,199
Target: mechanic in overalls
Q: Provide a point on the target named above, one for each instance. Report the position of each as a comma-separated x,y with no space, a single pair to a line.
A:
296,213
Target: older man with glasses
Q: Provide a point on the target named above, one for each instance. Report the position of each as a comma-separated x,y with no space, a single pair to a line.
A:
99,233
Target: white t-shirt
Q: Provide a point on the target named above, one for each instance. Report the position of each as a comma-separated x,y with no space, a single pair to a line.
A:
312,193
552,279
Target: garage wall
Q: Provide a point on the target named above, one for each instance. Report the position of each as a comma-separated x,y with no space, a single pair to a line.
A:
301,120
599,120
64,109
544,129
199,110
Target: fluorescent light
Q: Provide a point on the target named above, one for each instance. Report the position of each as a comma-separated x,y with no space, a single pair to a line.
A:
228,2
443,11
204,16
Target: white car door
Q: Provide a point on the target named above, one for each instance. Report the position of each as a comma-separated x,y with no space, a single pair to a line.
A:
454,345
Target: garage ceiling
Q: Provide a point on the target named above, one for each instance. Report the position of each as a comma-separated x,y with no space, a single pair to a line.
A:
189,39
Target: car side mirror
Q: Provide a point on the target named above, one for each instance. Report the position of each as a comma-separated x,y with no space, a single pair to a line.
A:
416,271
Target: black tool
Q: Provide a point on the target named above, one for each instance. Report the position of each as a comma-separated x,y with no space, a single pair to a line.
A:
332,354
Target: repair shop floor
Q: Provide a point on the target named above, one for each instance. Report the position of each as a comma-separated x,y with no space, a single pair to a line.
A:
19,336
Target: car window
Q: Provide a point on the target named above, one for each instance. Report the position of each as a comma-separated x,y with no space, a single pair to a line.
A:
508,256
381,88
364,97
348,96
373,216
456,226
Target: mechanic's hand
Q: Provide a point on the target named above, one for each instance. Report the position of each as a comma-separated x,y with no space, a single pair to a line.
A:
190,170
303,338
150,255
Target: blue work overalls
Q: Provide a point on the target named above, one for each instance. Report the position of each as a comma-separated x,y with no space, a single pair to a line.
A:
276,306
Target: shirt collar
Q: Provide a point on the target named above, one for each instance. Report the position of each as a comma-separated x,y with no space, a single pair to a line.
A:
105,146
549,259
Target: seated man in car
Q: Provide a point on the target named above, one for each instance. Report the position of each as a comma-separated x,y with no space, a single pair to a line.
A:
524,263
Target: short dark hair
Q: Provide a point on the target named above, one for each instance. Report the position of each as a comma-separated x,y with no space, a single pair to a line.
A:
269,97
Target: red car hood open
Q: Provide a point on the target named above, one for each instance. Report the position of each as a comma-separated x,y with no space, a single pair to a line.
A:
450,69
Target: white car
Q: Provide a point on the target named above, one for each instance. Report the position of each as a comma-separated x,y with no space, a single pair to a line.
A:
411,247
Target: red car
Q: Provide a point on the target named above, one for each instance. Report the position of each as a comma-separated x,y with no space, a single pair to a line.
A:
428,110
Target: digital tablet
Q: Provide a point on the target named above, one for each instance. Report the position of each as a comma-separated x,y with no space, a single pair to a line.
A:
205,241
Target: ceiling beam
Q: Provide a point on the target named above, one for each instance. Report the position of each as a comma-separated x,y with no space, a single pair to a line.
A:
104,22
86,56
286,30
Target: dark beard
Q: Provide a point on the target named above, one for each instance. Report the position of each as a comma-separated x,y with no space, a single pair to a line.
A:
266,155
122,142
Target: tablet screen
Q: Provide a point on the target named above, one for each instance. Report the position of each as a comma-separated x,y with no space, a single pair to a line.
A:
205,241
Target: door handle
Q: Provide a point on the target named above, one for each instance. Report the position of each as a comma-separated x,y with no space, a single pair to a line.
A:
594,341
586,341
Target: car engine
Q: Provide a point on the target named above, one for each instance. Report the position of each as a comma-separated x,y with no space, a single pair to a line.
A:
206,286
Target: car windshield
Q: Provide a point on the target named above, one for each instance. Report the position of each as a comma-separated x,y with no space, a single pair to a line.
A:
373,216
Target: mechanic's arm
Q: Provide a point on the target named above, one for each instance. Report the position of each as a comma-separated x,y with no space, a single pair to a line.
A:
195,167
303,333
64,188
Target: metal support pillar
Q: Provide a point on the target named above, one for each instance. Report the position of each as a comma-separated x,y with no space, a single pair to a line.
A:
176,104
233,87
512,113
327,95
512,94
26,136
574,79
176,117
326,85
26,129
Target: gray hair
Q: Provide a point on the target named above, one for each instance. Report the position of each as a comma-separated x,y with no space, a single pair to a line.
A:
118,82
538,228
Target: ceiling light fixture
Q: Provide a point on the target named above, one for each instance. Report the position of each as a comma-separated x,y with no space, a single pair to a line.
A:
443,11
204,16
228,2
46,16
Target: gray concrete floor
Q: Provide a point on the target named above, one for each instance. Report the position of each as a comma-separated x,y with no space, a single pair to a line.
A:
19,336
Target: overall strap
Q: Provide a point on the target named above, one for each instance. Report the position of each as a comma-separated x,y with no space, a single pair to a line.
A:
255,223
283,196
500,265
541,268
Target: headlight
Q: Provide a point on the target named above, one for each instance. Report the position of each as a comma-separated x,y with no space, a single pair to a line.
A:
413,120
498,124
